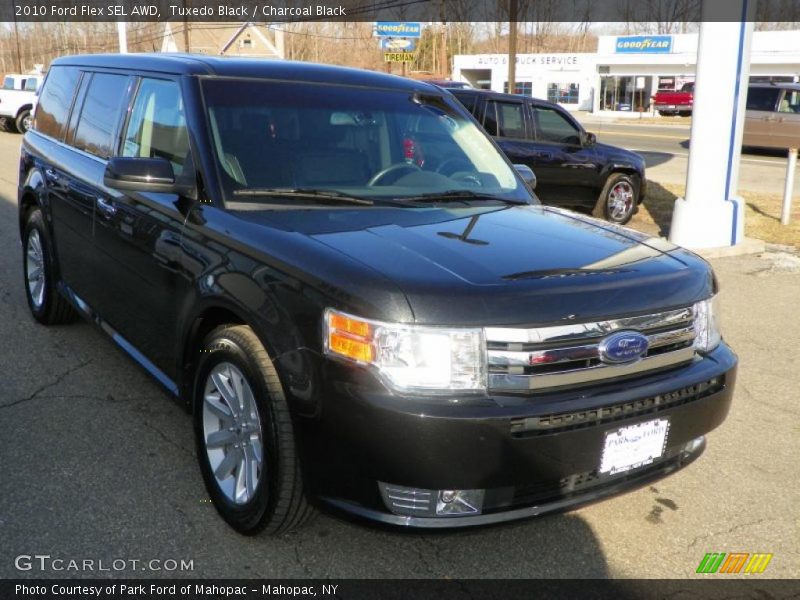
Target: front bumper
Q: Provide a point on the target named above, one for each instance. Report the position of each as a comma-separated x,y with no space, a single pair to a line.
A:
531,454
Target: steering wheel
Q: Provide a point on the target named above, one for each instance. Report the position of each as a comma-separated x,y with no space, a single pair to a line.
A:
378,178
450,162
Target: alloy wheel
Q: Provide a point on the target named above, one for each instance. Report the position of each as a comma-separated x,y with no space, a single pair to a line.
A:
35,269
620,200
232,433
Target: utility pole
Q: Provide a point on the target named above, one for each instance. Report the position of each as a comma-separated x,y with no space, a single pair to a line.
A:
512,46
444,64
186,43
16,38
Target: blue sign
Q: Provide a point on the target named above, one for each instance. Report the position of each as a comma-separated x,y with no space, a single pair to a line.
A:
398,44
397,29
644,44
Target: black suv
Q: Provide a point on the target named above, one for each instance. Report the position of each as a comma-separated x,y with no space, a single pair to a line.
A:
572,168
357,297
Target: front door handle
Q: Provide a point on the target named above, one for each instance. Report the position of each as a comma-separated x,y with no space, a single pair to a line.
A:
106,207
52,175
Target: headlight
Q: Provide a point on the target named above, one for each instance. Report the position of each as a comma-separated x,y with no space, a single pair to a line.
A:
706,325
409,357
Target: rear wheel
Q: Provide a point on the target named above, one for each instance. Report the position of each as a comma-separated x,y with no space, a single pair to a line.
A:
23,120
617,201
46,304
245,437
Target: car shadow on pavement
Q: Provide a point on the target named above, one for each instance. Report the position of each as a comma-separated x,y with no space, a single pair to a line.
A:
657,208
555,546
654,159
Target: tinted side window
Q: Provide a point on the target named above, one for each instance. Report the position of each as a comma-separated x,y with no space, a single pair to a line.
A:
100,114
468,100
157,127
554,127
55,100
8,83
490,118
762,98
510,119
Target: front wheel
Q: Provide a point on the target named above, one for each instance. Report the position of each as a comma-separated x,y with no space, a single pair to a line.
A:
46,304
617,201
244,435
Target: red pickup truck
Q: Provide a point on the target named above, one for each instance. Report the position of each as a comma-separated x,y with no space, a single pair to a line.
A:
675,103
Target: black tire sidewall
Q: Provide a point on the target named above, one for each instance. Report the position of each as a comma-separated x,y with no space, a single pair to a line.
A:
19,123
36,221
250,517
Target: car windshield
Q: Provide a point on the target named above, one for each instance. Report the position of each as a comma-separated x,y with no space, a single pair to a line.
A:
384,145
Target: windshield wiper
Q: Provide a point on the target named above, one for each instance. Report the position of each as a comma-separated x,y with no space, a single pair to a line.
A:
455,195
326,195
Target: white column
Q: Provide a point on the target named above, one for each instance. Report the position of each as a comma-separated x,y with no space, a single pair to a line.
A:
712,214
122,32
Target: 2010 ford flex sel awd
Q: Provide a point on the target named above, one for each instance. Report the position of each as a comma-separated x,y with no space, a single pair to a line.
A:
357,296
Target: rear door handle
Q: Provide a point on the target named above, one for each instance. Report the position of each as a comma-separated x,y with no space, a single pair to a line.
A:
546,155
106,207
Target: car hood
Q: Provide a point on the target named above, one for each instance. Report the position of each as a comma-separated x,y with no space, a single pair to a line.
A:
522,264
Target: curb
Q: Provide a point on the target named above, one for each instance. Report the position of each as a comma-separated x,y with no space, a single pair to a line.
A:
746,246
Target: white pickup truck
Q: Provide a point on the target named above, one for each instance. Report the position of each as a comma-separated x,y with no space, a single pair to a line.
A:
17,99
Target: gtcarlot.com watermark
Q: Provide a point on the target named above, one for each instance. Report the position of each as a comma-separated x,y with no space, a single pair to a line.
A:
48,563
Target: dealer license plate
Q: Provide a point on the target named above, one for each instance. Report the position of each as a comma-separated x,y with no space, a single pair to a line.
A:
633,446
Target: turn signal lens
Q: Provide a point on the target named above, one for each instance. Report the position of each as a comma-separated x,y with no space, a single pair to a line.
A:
345,324
349,337
346,346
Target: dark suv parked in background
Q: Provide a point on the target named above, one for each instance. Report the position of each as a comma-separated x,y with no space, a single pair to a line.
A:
357,296
572,169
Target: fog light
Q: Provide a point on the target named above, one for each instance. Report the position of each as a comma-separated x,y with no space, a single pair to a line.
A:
459,502
447,496
694,444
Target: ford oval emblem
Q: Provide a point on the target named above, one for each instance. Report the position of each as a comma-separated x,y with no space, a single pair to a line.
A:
623,346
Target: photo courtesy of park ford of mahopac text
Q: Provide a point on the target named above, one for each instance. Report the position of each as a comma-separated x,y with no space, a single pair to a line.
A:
391,299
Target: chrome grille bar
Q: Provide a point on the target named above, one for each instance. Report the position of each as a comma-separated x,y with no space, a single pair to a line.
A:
583,331
546,357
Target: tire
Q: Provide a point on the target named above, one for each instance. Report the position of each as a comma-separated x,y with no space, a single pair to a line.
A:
233,361
47,306
23,120
10,124
618,200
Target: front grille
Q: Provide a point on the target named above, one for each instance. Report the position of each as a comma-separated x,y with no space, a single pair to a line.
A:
527,360
568,421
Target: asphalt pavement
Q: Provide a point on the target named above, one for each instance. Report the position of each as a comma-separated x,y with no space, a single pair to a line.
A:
97,463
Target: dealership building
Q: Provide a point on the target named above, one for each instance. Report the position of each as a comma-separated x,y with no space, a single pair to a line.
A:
625,72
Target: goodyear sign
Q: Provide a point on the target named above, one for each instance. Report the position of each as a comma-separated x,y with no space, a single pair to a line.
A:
398,29
644,44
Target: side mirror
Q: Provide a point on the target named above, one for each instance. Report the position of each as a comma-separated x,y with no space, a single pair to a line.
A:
589,139
140,175
527,174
